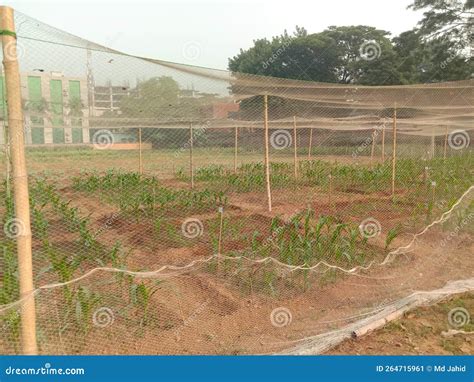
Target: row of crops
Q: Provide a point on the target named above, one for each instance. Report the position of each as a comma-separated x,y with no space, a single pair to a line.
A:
67,242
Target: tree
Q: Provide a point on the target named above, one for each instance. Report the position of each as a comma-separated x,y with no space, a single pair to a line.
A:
452,19
353,54
365,55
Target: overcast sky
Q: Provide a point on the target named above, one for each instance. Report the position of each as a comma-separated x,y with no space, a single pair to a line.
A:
208,32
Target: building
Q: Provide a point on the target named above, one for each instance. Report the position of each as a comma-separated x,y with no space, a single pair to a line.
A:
55,108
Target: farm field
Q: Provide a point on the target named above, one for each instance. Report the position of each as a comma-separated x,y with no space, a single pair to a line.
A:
194,268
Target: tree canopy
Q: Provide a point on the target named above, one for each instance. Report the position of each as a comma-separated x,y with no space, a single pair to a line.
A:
434,51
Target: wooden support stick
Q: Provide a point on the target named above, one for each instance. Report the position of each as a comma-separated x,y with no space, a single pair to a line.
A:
236,142
191,160
295,147
221,224
383,144
330,190
140,162
310,142
372,150
394,149
267,156
20,181
433,144
445,143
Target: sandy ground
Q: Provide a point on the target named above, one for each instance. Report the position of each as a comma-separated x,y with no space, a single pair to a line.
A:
421,331
203,310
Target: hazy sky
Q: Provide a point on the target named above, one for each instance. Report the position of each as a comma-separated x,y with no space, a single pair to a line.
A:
207,32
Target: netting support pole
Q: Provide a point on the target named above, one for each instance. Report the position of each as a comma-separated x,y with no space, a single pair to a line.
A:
310,142
394,150
236,147
295,147
383,144
433,144
445,152
330,191
6,146
267,149
140,162
20,181
221,226
191,159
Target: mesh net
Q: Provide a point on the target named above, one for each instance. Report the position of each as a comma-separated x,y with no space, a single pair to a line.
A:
156,229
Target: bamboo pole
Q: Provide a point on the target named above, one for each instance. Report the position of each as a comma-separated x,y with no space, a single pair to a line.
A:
221,224
372,150
7,157
383,144
20,180
140,162
433,144
295,147
394,149
236,142
191,159
330,191
445,151
310,142
267,156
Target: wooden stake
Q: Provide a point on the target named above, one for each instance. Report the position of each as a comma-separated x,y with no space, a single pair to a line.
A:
267,156
372,150
394,149
20,181
445,143
221,224
236,141
383,144
296,147
310,142
191,160
433,144
140,162
330,190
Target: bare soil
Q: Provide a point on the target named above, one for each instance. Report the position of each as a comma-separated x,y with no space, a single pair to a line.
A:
202,310
422,331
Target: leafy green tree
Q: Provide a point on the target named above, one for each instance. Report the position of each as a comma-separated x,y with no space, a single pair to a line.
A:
353,54
452,19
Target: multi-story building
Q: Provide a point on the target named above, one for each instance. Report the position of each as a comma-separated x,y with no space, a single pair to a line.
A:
55,109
